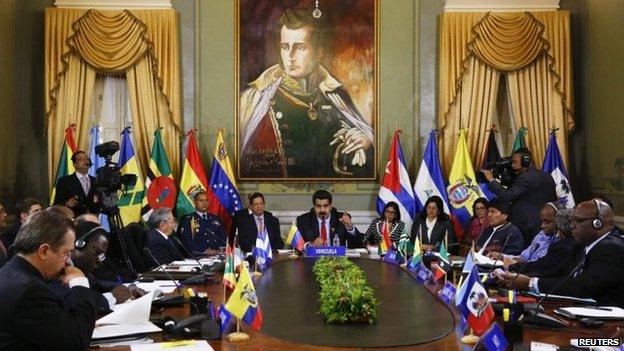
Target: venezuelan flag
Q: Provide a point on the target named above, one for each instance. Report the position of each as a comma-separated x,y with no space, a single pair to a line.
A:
463,189
294,238
225,200
193,178
130,201
65,165
243,302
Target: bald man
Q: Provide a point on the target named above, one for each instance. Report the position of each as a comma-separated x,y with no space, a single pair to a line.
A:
599,269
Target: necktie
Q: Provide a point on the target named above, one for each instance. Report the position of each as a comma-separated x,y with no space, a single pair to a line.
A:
579,267
85,184
204,217
260,223
323,232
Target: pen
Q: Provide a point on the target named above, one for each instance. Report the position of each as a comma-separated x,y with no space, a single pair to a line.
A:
598,308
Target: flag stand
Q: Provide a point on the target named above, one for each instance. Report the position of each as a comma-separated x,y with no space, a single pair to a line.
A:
293,254
256,274
238,335
470,339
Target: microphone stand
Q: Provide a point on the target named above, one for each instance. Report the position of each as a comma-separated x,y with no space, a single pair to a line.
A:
196,279
149,252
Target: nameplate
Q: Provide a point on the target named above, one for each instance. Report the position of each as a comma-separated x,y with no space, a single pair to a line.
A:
422,273
320,251
393,257
447,292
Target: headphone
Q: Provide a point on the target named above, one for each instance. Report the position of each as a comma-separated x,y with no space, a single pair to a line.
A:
82,241
598,222
525,157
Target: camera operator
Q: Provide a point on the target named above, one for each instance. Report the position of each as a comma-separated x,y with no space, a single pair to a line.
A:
528,193
77,190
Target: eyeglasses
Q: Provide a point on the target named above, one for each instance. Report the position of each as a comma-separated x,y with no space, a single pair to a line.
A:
580,220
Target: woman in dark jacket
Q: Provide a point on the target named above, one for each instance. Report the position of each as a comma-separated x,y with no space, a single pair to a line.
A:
391,219
433,225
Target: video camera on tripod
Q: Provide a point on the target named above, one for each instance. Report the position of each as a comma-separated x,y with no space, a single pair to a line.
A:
108,178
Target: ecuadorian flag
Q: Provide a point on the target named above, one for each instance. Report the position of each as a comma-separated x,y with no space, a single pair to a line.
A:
463,188
243,302
226,199
193,178
130,201
65,165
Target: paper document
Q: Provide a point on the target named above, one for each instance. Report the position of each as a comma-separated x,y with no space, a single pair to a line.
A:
586,301
601,312
283,251
164,286
484,260
131,318
182,345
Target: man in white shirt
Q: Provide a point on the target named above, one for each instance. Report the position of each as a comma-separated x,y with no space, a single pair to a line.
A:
77,190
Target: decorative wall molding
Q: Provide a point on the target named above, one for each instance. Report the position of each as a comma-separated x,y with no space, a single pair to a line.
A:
500,6
114,4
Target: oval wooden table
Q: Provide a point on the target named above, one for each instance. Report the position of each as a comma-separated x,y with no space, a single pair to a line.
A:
290,275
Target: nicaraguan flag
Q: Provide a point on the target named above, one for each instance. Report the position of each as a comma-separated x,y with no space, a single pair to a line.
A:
429,180
262,251
396,186
553,164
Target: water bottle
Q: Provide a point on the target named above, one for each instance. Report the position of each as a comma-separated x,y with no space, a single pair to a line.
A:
336,241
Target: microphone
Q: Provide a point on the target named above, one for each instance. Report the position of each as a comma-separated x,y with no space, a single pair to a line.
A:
501,253
539,318
149,252
201,267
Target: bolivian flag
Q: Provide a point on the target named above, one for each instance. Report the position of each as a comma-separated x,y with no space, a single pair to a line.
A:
130,201
65,165
193,177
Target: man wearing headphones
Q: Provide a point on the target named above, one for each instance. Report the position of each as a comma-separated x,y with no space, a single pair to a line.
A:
531,190
77,190
598,272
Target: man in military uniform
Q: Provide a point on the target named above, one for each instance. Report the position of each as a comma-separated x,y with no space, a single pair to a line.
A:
201,232
296,119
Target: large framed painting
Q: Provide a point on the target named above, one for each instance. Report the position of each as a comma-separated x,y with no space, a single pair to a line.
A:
306,89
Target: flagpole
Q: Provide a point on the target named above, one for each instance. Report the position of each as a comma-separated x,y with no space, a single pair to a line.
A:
238,335
470,338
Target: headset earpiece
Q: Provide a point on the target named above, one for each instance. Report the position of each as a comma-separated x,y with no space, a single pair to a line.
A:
525,160
82,241
598,223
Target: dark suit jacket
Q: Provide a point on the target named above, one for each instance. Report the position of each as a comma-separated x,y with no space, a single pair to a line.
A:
507,238
559,251
33,318
68,187
163,249
3,259
209,235
528,194
248,230
9,235
100,286
308,226
602,277
440,228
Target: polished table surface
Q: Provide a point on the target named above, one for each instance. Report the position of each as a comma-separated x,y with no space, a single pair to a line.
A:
262,341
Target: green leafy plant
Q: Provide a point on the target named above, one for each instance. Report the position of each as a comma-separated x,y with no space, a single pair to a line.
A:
345,294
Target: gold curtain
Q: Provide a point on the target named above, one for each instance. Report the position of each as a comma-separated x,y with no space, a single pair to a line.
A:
142,44
532,49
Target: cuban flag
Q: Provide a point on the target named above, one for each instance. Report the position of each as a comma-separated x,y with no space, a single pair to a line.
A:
429,180
553,164
395,185
475,305
262,251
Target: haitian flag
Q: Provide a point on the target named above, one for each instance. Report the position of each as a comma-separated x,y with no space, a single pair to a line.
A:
463,189
475,305
161,189
193,178
65,165
131,200
294,238
553,164
395,185
243,303
226,199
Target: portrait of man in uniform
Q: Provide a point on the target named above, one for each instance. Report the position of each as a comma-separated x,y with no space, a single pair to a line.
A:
311,113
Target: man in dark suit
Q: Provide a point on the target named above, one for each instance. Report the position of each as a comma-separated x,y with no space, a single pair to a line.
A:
202,232
159,242
502,236
3,249
77,190
322,223
249,221
530,191
24,208
32,317
599,269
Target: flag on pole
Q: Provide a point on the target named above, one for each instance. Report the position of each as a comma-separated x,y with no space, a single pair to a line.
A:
405,246
429,180
463,189
491,154
243,303
417,257
294,238
262,252
229,278
65,165
161,189
193,178
520,141
553,164
395,185
131,199
385,242
475,305
225,317
96,161
225,200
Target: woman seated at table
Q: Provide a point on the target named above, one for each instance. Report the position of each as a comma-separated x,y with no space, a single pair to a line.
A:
478,223
389,222
432,225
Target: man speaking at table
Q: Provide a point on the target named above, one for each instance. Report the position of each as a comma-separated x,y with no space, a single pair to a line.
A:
31,316
322,223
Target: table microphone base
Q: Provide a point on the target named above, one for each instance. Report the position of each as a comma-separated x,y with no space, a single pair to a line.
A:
238,336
